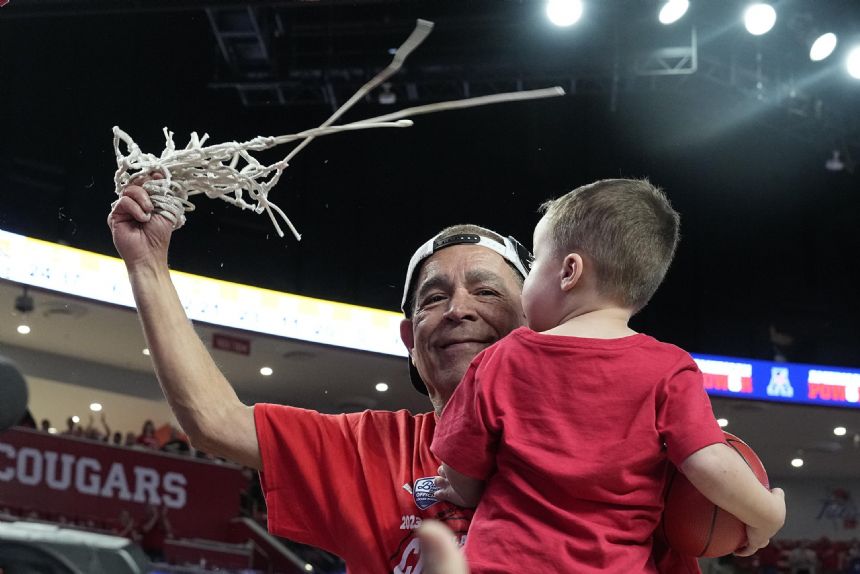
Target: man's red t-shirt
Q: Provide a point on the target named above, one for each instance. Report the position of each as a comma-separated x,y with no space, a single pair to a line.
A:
356,485
574,437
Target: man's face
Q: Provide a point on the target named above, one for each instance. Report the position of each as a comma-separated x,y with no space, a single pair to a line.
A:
466,298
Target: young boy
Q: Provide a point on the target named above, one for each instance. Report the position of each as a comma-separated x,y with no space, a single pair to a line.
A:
565,430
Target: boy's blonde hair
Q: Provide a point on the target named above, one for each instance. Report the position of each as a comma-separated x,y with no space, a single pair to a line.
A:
628,230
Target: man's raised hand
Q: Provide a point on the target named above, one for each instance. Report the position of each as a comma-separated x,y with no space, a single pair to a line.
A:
139,234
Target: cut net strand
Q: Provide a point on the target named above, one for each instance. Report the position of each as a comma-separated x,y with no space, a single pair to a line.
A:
228,171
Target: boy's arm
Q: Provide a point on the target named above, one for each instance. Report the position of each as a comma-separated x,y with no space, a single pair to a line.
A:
458,488
726,480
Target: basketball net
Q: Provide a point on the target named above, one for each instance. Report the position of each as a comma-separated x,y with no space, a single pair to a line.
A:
228,171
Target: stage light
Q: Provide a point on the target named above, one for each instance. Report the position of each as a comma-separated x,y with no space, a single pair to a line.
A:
266,371
723,423
381,387
797,462
852,63
564,12
840,431
759,19
24,329
673,10
95,407
822,47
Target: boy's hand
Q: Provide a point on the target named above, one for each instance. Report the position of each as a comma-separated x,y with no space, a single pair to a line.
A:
446,491
440,550
760,537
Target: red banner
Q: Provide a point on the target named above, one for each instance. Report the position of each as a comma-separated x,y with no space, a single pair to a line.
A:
77,479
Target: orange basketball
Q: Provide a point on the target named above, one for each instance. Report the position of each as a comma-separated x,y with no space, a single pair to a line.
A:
695,526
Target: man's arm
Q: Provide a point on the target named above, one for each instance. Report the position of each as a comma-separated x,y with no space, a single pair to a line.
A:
203,401
726,480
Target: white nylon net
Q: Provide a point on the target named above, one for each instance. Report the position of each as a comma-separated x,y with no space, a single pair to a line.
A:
229,172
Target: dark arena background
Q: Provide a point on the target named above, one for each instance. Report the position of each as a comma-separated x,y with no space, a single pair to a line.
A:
754,143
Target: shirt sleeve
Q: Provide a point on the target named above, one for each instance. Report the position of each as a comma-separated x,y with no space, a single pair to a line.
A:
685,418
305,457
466,437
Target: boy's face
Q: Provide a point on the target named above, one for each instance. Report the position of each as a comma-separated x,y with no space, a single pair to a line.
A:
542,293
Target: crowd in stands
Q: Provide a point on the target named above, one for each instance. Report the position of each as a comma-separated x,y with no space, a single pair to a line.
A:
165,438
822,556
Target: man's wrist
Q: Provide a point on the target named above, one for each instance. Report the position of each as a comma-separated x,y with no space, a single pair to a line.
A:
145,269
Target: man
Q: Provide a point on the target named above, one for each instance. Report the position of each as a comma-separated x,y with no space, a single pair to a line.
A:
359,484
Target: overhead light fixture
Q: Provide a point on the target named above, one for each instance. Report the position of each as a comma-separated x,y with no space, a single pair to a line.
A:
759,18
146,351
834,163
852,63
24,305
76,419
564,13
381,387
309,567
797,462
673,10
723,423
266,371
95,407
840,431
822,47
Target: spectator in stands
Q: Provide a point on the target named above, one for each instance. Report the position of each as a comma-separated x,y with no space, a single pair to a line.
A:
852,559
73,428
45,425
828,556
130,439
27,421
147,436
769,558
126,527
154,531
176,444
92,433
803,560
117,439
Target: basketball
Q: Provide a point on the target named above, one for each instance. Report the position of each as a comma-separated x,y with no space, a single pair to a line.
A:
693,525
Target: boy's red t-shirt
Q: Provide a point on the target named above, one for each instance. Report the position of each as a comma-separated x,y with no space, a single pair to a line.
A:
574,437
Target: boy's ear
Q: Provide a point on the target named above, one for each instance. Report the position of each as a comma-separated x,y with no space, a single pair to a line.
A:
571,271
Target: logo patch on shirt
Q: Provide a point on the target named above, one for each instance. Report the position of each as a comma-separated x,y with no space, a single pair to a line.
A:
423,492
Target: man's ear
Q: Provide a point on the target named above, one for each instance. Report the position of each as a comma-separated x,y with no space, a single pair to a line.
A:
571,271
407,336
